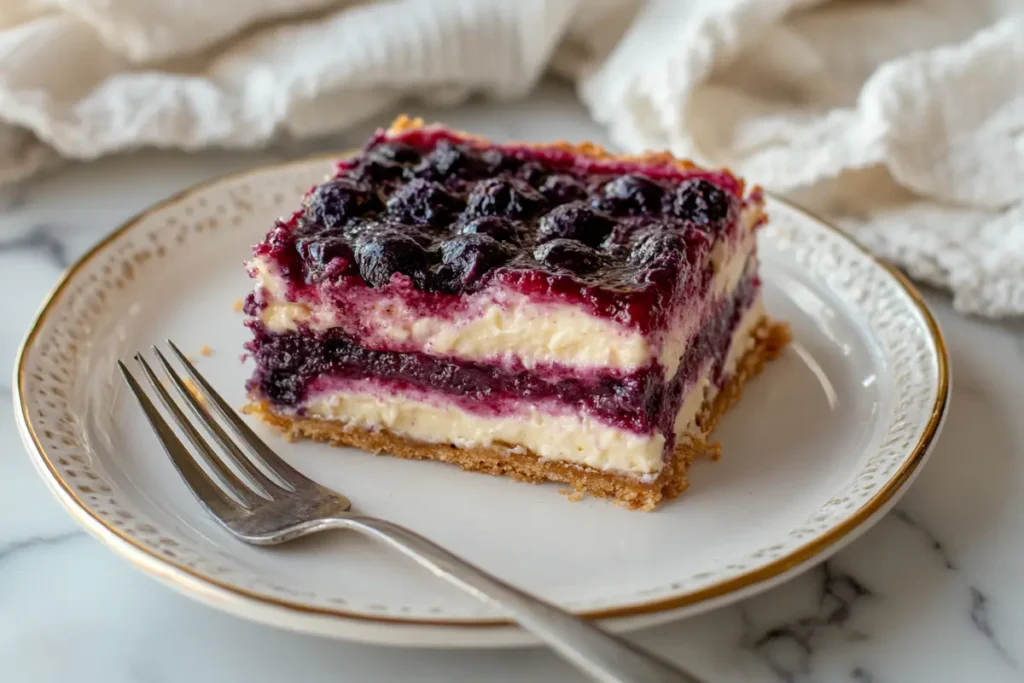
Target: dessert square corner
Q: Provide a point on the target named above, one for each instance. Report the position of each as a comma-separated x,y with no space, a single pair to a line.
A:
547,312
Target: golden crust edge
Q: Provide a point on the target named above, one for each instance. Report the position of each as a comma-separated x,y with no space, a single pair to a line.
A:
770,338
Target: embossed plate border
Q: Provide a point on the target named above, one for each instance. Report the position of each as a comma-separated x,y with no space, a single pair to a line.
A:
46,442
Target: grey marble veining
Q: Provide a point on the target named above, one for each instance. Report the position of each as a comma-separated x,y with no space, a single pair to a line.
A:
931,593
12,549
934,543
980,619
787,647
40,239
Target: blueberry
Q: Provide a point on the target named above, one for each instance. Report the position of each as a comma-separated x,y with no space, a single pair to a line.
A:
700,201
631,194
396,152
569,255
504,197
659,249
532,173
618,240
424,236
575,221
466,259
355,230
561,188
497,162
338,200
500,229
450,160
423,201
371,171
320,251
283,388
362,231
383,254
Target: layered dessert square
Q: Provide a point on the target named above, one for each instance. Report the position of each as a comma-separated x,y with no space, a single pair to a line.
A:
548,312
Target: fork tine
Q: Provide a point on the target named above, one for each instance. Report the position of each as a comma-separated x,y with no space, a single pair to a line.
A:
199,483
260,451
265,484
227,479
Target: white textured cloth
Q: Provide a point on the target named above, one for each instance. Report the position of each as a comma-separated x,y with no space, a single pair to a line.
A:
903,120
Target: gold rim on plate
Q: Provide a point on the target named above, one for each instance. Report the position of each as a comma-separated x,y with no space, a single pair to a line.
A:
182,576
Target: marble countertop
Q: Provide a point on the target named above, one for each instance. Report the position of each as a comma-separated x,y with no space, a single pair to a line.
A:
932,593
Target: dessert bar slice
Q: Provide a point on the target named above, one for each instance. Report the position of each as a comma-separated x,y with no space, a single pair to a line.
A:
547,312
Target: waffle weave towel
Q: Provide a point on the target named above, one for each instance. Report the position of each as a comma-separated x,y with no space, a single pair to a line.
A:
902,120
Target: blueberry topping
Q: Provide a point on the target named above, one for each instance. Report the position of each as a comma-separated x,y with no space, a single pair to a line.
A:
371,171
466,259
423,201
383,254
568,255
701,202
504,197
396,152
698,243
618,240
659,249
532,174
449,160
279,245
355,230
497,162
447,215
320,251
363,230
561,188
575,221
339,200
631,194
500,229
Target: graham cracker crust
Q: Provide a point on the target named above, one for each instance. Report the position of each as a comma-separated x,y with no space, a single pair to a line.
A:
769,337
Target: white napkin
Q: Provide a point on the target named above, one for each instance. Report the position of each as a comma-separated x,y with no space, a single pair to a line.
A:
903,120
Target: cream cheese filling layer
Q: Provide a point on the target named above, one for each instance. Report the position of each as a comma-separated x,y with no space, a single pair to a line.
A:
548,431
505,326
565,437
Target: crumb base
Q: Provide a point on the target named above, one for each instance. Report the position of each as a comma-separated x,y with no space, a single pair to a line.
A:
769,336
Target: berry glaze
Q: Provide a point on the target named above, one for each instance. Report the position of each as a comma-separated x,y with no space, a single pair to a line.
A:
431,218
436,216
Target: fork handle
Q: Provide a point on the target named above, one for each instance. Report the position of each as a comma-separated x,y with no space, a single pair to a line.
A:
603,656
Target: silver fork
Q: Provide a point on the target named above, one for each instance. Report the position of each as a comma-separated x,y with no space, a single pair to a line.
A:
265,510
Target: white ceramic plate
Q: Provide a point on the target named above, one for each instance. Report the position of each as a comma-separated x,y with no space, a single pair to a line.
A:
820,446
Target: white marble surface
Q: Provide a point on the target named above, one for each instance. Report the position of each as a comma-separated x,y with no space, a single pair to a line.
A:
932,593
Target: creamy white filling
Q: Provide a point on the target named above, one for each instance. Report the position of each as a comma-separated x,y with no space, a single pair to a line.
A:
551,431
742,337
553,435
504,326
508,326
